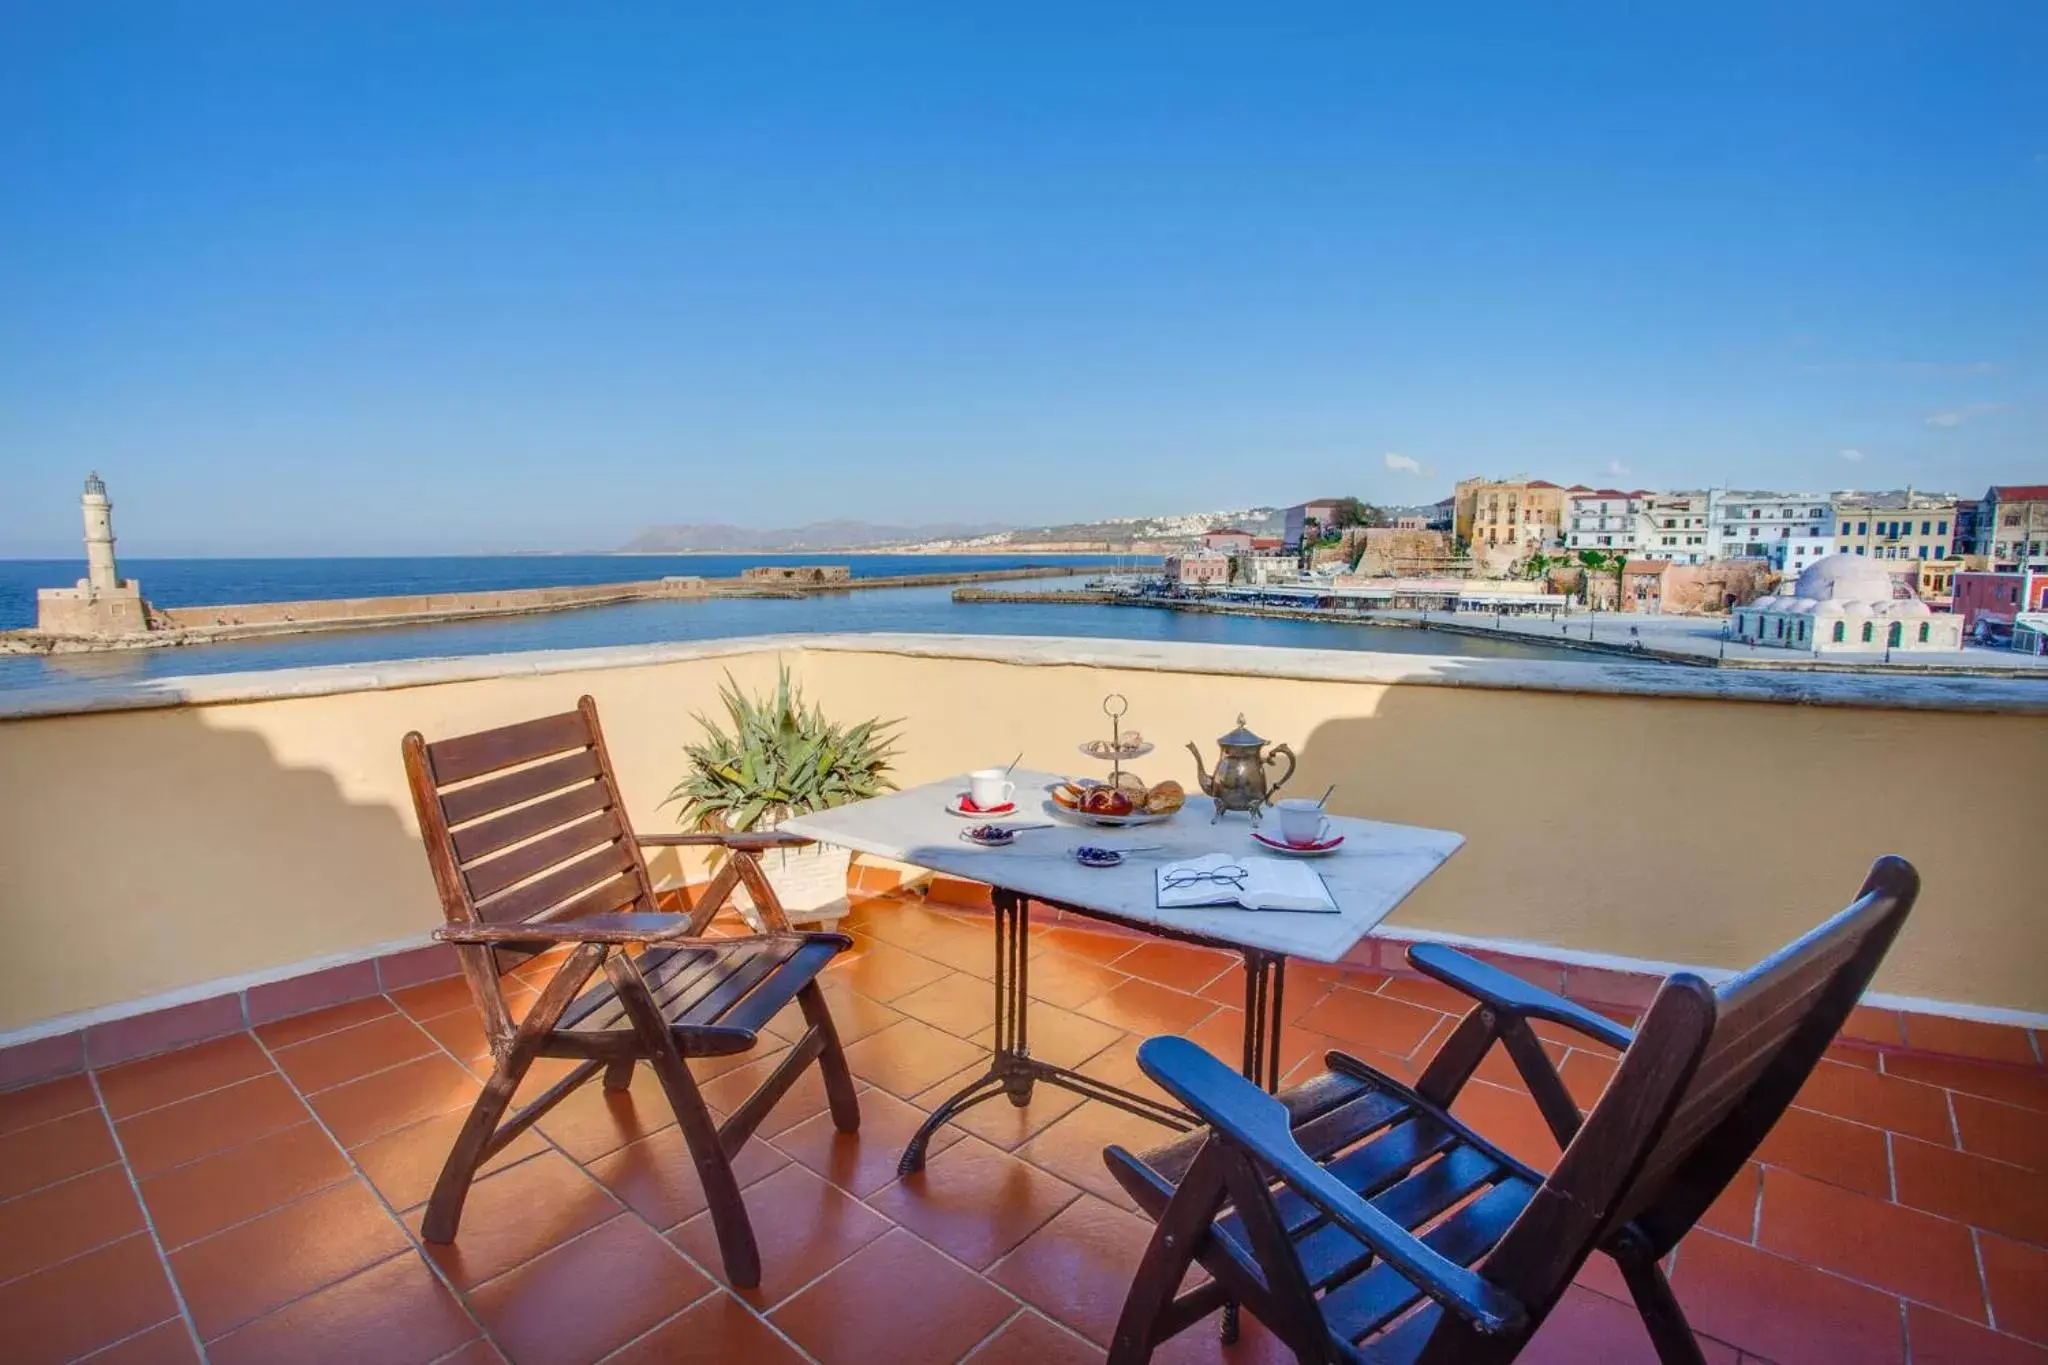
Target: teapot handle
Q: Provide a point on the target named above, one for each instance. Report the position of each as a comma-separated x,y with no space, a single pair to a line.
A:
1279,749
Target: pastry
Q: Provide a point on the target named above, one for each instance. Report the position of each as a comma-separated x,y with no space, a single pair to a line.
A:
1107,801
1131,785
1165,799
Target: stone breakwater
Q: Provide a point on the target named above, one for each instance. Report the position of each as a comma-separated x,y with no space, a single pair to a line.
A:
175,626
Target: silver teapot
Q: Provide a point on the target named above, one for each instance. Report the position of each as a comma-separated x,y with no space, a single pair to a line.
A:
1239,782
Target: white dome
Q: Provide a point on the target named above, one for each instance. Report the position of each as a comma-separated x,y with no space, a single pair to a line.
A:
1912,607
1827,609
1853,608
1846,578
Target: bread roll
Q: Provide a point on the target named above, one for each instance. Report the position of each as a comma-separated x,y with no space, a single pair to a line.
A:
1165,799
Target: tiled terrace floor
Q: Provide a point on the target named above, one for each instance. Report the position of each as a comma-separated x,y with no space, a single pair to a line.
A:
257,1198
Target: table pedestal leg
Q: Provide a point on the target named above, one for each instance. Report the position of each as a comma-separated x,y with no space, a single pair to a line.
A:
1012,1070
1265,980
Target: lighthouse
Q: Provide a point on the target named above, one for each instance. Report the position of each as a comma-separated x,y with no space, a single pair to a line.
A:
103,603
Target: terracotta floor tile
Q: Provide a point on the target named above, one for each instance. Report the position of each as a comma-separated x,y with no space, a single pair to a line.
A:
35,1104
883,971
298,1028
333,1058
1427,992
1182,966
85,1303
1117,1064
1094,945
804,1098
996,1121
515,1215
1059,1036
2005,1132
1510,1120
204,1196
462,1034
1879,1100
894,1302
1077,1268
717,1330
2015,1275
910,1056
53,1151
1851,1155
1374,1021
478,1352
1144,1008
861,1162
238,1275
64,1220
1734,1213
1585,1074
429,998
1784,1311
390,1100
974,1201
182,1074
1939,1339
404,1165
1969,1038
657,1178
1072,1148
394,1313
167,1343
1869,1024
802,1226
2023,1086
593,1120
960,1004
159,1139
1222,1034
1585,1326
1979,1191
1033,1339
854,1015
1884,1244
1069,982
587,1297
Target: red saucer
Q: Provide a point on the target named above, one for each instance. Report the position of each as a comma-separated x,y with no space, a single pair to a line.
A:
1282,846
963,804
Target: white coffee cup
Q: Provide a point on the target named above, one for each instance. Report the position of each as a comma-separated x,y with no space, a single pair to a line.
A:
1301,821
990,787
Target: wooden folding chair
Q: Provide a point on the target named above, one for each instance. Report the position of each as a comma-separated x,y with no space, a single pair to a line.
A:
1362,1222
530,848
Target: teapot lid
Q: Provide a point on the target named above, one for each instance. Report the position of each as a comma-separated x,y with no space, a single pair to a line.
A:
1241,737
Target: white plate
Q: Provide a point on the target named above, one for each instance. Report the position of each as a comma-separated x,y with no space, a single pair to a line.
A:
1285,850
1108,821
954,807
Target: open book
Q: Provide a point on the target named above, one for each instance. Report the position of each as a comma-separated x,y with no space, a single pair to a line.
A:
1266,884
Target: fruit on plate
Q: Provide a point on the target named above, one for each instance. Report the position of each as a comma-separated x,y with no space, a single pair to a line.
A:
1165,799
1107,801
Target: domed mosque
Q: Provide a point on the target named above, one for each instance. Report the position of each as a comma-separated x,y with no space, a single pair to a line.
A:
1846,604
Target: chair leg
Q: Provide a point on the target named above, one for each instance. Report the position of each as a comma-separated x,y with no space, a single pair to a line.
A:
1142,1326
619,1075
1670,1333
444,1209
831,1060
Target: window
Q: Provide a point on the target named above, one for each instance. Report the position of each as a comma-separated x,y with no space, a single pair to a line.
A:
1781,627
1923,552
1869,632
1859,549
1756,512
1841,631
1896,635
1943,529
1924,528
1923,632
1862,528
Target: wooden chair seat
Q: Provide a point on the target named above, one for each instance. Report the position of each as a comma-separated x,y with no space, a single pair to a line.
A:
714,995
1408,1158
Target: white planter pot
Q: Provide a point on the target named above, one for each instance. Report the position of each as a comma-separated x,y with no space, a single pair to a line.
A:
810,882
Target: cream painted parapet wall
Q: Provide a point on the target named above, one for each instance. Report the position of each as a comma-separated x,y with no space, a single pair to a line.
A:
158,837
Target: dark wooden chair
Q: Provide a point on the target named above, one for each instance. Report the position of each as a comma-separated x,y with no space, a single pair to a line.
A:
530,849
1362,1222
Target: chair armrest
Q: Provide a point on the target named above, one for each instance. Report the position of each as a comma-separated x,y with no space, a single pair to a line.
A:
626,928
751,843
1511,995
1254,1120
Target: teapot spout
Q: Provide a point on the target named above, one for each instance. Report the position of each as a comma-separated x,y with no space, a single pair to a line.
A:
1202,779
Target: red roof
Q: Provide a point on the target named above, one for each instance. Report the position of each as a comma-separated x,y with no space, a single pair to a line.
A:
2021,492
1541,483
1265,542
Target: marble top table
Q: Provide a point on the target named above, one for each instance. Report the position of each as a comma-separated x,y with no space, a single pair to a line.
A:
1375,868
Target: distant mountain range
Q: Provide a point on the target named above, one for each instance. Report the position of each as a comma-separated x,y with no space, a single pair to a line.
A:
994,537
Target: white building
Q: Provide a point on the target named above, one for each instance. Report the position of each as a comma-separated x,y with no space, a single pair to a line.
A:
1262,569
1748,525
1845,605
1678,527
1794,556
1605,519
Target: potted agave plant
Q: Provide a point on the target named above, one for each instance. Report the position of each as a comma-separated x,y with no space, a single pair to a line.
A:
776,757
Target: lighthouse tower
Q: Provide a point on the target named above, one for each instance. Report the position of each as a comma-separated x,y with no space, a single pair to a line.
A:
103,603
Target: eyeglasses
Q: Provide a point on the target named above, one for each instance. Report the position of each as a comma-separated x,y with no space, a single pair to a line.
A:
1229,875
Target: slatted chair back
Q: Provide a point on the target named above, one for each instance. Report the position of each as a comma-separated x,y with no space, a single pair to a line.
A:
523,824
1709,1073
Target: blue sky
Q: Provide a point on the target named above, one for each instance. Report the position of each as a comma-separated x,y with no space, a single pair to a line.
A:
367,278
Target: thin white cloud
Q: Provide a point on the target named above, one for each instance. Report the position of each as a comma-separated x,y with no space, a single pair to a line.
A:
1403,464
1955,417
1615,469
1852,455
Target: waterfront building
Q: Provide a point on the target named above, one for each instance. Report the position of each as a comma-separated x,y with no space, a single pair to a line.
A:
1606,519
1847,605
2012,527
1897,525
1263,569
1745,525
797,573
1677,527
1967,510
1198,569
1792,557
1228,540
1521,514
103,602
1989,604
1322,512
1933,581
